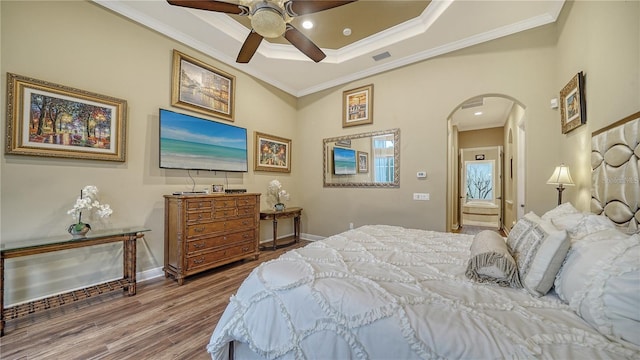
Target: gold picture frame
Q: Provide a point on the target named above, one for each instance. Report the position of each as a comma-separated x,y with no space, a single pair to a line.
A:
357,106
200,87
51,120
573,106
271,153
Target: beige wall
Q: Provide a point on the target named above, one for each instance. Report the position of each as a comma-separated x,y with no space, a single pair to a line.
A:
602,39
481,138
90,48
418,99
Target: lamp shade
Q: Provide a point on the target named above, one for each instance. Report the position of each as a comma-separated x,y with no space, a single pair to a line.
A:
561,176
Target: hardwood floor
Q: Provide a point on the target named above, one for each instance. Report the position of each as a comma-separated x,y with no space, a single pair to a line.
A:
162,321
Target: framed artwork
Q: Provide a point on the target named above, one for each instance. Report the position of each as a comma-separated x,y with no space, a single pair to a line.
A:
202,88
46,119
363,162
272,153
573,107
357,106
217,188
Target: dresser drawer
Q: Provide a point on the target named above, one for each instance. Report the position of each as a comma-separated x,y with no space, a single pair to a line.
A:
246,201
194,246
199,204
199,216
224,203
225,213
203,229
247,210
212,257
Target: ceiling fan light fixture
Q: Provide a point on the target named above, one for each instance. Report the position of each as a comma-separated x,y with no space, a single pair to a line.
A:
268,21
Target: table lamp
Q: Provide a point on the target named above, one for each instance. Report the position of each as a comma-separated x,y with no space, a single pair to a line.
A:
562,178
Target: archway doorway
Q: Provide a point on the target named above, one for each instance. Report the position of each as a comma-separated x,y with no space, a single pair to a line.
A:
488,121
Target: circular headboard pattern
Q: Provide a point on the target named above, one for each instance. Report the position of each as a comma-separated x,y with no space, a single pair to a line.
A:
615,177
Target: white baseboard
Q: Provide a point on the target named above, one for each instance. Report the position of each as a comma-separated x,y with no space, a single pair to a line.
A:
149,274
311,237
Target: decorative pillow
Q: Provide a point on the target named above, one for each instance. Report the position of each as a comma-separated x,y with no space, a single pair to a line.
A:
567,221
580,225
490,261
560,210
539,250
600,280
590,224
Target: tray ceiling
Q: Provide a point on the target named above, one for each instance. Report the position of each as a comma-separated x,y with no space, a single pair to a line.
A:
409,31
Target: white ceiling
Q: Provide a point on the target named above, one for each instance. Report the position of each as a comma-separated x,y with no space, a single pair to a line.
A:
444,26
482,113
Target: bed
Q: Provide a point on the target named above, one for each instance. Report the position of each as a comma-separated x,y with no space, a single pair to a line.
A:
562,285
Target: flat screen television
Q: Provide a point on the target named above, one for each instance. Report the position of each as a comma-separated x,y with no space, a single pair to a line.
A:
344,161
192,143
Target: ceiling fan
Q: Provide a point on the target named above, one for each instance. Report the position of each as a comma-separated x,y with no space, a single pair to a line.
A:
270,19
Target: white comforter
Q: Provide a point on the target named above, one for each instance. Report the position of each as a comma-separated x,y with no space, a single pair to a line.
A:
385,292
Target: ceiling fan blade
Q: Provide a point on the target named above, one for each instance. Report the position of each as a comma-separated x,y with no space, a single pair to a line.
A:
303,7
249,47
302,43
212,5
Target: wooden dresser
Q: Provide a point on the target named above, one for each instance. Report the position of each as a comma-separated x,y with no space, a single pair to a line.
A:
205,231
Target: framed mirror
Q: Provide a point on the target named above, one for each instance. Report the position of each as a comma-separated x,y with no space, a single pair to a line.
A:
362,160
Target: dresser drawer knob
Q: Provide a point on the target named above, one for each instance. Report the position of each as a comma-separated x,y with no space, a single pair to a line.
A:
199,229
198,246
245,249
198,261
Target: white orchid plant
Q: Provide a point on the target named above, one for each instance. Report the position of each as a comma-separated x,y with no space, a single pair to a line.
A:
276,193
88,201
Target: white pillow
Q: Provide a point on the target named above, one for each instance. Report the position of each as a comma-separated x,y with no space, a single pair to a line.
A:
600,280
491,262
579,225
539,250
560,210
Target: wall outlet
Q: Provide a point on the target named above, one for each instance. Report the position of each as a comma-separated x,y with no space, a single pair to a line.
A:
421,174
421,196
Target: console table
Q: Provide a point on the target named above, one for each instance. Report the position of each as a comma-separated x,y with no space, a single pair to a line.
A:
292,212
127,236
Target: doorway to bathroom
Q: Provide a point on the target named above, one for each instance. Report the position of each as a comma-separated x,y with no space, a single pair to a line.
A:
481,186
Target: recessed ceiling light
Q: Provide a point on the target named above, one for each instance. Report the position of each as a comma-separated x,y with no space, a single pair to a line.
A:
346,32
307,24
477,113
